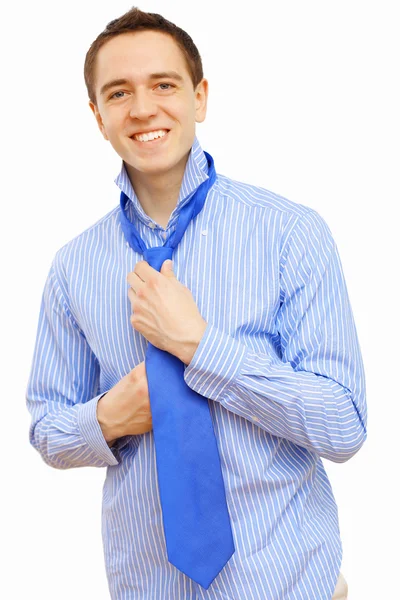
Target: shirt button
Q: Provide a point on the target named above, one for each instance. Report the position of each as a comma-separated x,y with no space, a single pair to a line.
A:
204,232
152,225
254,418
164,234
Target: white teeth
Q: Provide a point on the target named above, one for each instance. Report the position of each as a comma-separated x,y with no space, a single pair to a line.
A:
145,137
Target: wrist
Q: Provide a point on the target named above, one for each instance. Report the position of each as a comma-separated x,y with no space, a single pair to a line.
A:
188,348
108,429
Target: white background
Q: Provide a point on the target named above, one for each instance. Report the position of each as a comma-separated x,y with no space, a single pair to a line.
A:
304,101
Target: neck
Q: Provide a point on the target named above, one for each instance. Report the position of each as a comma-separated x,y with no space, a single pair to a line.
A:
158,194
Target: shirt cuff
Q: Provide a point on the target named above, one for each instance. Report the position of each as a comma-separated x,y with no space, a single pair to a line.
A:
216,362
91,432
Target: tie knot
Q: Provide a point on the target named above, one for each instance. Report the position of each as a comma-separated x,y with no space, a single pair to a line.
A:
156,256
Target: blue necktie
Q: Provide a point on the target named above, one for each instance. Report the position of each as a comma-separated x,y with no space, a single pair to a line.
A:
196,521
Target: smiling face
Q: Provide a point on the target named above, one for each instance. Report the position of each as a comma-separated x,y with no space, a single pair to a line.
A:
143,85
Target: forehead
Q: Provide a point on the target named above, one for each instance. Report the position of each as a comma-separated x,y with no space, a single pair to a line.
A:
134,55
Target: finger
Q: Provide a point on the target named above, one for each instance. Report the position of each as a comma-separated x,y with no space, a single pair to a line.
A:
167,268
144,270
132,297
134,281
136,301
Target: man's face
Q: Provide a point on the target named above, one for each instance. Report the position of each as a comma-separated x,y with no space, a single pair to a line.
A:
147,101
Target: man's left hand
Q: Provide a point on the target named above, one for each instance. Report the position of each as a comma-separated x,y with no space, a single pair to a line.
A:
164,310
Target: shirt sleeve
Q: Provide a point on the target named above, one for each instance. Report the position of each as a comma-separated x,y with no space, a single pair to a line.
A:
309,387
62,392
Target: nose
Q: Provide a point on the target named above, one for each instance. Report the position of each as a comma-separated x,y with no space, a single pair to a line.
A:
143,105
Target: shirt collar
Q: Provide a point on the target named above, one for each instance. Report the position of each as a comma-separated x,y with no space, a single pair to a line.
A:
195,173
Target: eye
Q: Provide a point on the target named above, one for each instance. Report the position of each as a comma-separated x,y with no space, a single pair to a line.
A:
115,93
167,84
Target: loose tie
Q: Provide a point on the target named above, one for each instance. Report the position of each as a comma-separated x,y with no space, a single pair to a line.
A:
196,521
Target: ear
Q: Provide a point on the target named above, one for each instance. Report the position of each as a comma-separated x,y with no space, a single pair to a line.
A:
99,120
201,96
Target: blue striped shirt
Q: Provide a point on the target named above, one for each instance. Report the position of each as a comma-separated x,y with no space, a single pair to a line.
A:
279,361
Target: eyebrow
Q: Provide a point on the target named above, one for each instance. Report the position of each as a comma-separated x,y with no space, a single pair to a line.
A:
162,75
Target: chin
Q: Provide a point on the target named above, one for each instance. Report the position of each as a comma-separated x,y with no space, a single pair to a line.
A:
156,164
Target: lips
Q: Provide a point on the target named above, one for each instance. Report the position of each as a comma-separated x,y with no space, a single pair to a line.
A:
149,143
149,131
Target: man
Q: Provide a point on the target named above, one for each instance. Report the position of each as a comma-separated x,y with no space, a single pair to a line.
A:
256,308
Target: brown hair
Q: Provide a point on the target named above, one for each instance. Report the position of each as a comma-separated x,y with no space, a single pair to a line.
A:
137,20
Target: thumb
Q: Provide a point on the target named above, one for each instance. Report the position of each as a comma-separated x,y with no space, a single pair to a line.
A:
167,268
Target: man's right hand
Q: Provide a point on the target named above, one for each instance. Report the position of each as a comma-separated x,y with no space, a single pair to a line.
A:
125,409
